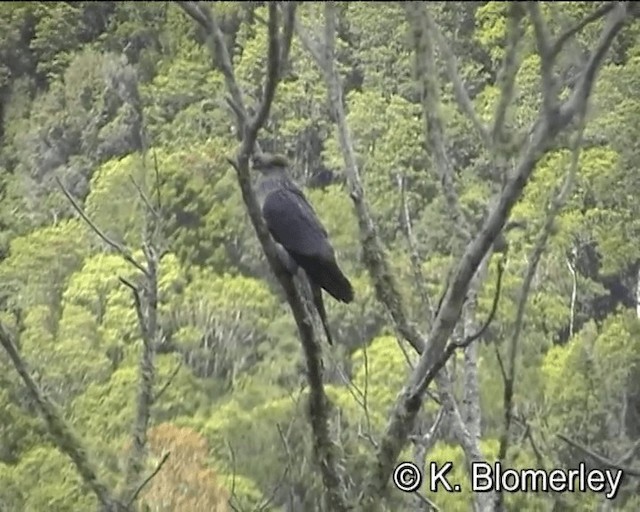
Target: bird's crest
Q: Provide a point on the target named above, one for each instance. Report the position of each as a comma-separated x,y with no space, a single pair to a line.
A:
267,161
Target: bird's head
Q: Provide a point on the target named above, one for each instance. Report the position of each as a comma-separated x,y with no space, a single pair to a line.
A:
267,163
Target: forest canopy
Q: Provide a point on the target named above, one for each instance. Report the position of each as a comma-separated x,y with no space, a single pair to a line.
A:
475,167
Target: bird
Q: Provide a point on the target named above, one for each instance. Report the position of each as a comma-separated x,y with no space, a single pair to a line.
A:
301,239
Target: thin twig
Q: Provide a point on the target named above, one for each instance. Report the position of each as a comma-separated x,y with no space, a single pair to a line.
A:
629,471
124,252
419,280
232,494
168,382
461,94
148,479
492,313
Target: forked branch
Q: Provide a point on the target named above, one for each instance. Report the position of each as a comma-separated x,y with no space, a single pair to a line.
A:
61,432
509,373
318,400
543,132
374,257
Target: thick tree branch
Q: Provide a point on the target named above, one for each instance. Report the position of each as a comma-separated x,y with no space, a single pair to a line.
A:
543,42
543,133
581,94
151,338
508,72
556,48
289,11
318,401
374,257
541,244
467,424
427,73
62,434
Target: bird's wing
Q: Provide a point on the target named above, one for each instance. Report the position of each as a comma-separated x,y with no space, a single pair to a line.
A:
293,223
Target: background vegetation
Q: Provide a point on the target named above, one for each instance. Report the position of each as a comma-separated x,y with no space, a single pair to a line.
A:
119,109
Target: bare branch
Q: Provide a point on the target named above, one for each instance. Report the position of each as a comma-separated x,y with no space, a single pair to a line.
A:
374,257
427,74
137,302
61,432
202,15
465,436
318,401
123,251
426,502
146,311
574,293
492,313
425,30
168,382
528,435
156,169
542,133
416,260
543,42
272,77
146,305
629,453
145,198
289,22
148,479
452,346
424,443
508,71
232,492
461,94
556,48
600,458
264,505
541,244
618,17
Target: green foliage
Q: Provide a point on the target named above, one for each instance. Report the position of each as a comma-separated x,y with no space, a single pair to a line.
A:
601,362
39,263
80,83
57,482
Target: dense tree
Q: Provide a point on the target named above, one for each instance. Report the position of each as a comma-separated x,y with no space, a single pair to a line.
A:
474,164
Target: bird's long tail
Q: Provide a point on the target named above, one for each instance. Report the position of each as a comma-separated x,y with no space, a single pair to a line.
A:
328,275
316,291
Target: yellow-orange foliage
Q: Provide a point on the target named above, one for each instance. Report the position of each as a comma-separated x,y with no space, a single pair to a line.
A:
185,483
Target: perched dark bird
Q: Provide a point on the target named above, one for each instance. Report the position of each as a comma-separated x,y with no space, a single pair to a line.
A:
301,238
